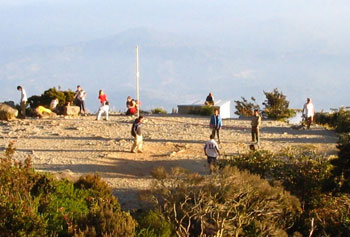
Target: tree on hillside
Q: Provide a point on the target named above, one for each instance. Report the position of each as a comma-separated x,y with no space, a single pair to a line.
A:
245,107
277,105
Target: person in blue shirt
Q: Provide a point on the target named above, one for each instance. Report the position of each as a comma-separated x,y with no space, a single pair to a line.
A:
216,124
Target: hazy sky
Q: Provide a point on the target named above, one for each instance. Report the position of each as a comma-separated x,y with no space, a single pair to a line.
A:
306,32
30,22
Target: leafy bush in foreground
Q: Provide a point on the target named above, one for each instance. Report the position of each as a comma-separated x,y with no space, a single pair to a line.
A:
341,170
307,175
230,203
36,204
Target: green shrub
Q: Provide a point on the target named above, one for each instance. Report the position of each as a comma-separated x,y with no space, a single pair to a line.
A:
277,105
159,111
229,203
246,108
341,170
332,217
205,110
339,120
299,169
48,95
153,223
36,204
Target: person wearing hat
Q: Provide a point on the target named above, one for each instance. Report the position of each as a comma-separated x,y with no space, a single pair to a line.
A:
256,122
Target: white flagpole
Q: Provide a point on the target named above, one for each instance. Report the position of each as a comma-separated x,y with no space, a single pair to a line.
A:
137,81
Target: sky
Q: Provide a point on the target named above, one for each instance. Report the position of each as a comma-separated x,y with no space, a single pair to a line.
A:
275,28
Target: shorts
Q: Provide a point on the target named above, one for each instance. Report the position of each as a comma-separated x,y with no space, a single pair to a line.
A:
211,159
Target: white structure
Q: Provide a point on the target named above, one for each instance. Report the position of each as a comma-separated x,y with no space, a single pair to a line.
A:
223,106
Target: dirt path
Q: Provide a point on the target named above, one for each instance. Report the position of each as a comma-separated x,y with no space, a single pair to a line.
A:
71,147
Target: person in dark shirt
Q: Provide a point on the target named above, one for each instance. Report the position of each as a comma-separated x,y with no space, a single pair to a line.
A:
209,100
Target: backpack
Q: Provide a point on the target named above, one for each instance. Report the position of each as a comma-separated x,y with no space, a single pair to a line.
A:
134,128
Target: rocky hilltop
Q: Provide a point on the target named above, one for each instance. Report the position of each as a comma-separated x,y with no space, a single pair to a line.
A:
70,147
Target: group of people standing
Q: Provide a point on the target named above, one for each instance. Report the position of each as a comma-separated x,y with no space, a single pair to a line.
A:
211,147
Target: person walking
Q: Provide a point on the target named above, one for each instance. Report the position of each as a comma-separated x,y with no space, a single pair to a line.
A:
308,112
256,122
23,101
211,150
216,124
137,134
79,99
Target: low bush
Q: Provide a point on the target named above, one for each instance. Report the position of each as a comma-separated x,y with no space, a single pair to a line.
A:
332,216
205,110
159,111
153,223
340,120
310,177
229,203
45,99
341,169
300,170
36,204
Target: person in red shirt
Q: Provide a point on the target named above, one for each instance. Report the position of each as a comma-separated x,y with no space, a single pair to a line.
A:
102,97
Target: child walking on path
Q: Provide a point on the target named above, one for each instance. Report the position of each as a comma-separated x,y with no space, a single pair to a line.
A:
137,134
211,150
216,124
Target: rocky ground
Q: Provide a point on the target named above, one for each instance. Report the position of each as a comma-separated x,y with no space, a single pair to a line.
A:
70,147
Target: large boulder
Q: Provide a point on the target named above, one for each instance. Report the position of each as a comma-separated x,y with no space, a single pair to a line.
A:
71,110
7,112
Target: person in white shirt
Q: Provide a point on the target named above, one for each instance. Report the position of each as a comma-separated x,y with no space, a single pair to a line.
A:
23,101
104,108
308,112
211,150
53,104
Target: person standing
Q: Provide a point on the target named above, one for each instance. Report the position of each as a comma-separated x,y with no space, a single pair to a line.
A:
211,150
256,122
308,112
137,134
216,124
102,97
23,101
79,99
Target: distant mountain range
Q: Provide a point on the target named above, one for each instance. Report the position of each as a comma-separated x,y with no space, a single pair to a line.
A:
176,70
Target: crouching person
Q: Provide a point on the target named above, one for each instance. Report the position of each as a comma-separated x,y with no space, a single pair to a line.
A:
104,108
137,134
211,150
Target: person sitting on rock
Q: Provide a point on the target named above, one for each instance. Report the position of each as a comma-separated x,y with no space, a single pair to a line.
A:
53,104
209,100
